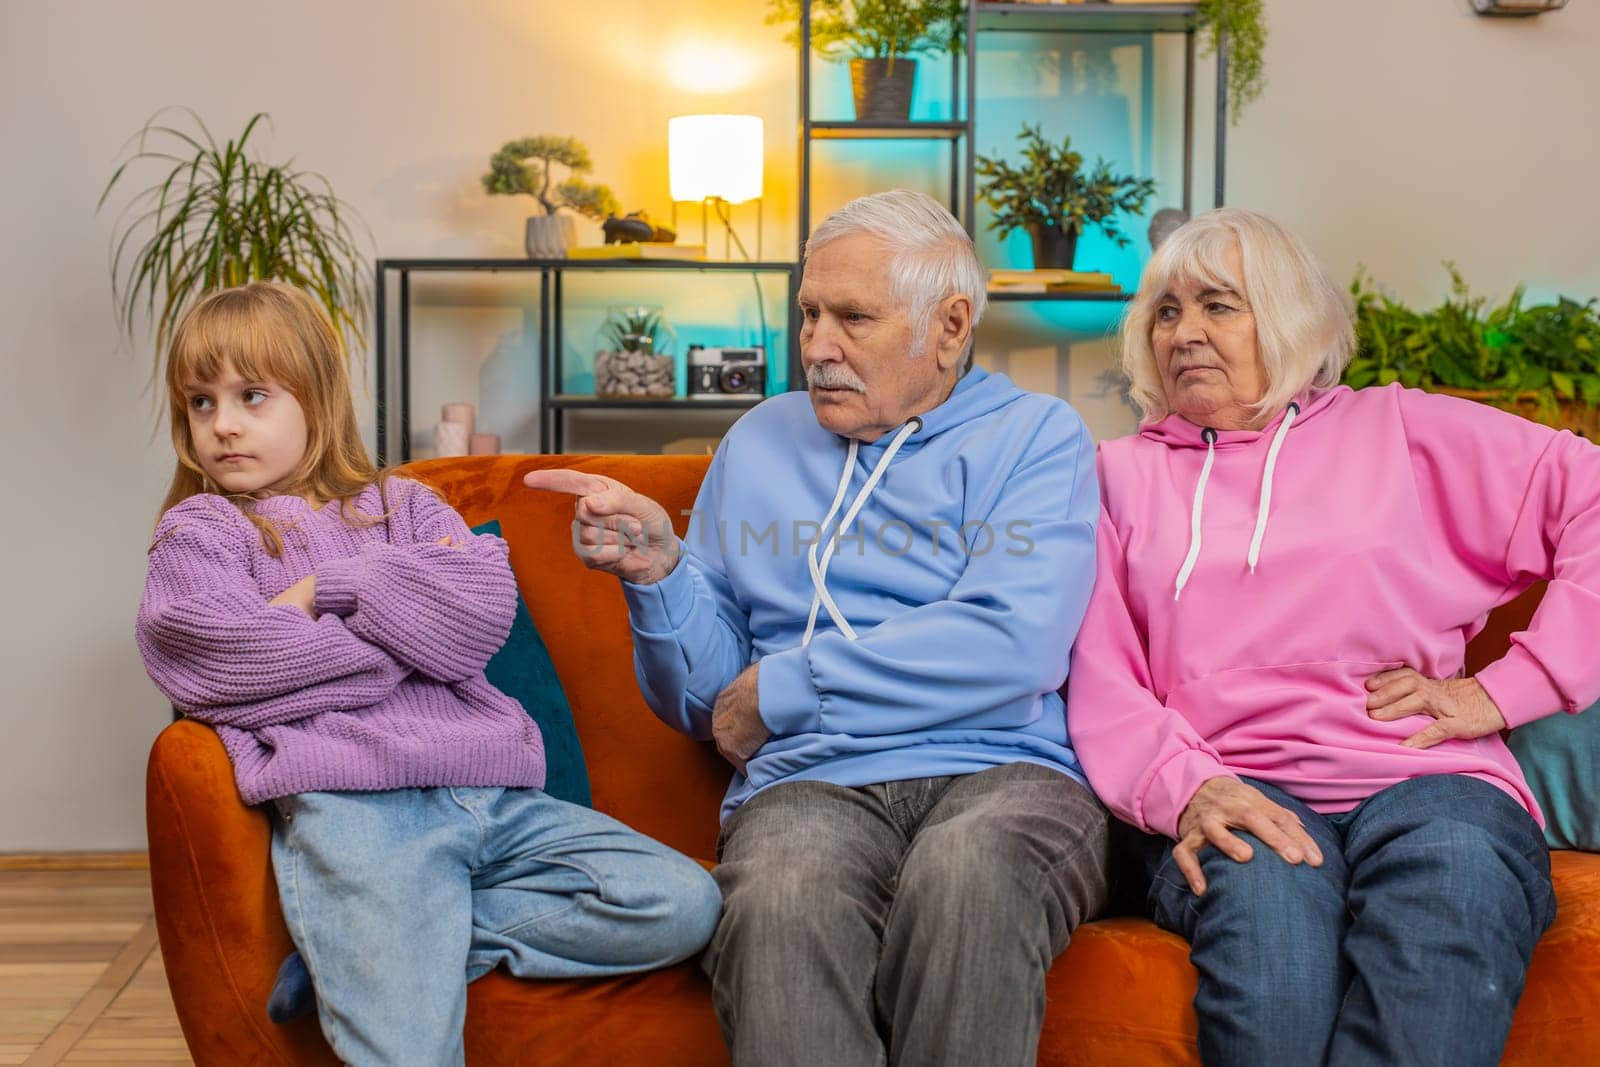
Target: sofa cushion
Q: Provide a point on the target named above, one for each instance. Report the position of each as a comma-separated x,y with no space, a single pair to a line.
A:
1560,757
522,670
641,771
1123,992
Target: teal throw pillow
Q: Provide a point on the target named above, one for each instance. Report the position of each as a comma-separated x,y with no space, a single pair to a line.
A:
523,670
1560,756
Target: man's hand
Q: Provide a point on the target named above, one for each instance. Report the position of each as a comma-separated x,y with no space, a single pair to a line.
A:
1221,805
302,595
736,724
616,529
1460,707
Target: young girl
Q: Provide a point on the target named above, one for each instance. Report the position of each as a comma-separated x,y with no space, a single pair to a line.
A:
333,626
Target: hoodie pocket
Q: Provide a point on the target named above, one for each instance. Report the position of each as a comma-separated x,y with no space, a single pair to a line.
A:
1318,703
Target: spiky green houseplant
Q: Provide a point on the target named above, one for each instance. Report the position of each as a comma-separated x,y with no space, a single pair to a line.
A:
634,329
1051,194
219,216
528,167
878,38
875,29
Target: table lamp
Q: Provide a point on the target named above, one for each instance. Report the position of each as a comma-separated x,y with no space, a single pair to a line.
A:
717,160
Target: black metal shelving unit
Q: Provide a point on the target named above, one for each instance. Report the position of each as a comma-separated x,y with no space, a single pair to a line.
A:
394,421
1092,16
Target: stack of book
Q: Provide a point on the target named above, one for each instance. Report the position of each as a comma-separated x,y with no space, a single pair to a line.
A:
638,250
1050,281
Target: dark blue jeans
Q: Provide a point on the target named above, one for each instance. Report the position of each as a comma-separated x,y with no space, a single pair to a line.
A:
1408,945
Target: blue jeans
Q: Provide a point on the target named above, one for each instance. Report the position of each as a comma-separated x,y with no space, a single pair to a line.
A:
397,899
1408,945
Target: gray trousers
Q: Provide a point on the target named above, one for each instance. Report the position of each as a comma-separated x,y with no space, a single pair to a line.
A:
909,922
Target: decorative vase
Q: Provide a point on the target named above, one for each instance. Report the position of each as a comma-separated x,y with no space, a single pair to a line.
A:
633,354
549,236
882,88
1053,247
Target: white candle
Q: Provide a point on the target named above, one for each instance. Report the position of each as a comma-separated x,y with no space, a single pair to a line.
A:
450,439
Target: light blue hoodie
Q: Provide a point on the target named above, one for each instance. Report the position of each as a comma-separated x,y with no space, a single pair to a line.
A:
962,577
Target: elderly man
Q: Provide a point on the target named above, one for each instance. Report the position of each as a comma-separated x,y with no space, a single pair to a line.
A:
871,616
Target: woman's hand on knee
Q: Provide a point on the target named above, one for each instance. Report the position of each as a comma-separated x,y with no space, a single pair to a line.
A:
1222,805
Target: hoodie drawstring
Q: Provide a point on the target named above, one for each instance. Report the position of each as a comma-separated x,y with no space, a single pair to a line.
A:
819,570
1262,511
1266,486
1210,437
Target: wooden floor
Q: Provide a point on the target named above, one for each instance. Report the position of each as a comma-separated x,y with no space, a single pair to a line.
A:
80,971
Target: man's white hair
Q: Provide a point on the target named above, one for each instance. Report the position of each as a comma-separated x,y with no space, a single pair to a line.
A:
930,255
1304,329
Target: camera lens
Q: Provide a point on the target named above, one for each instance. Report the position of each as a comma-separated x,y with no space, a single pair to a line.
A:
735,381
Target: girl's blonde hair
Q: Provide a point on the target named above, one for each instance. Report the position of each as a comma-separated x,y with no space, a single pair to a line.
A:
268,331
1304,328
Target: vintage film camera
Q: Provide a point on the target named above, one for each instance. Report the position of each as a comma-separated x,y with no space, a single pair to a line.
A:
721,371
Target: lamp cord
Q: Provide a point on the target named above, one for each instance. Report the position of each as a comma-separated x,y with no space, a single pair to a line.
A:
726,218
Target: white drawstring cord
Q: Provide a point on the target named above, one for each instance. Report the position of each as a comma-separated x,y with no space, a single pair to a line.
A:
1210,437
1266,486
819,571
811,556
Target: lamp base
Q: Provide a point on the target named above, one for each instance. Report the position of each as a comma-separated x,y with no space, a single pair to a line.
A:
724,212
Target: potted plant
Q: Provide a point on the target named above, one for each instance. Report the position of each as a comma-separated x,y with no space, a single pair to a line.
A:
528,167
633,355
878,37
1053,197
1541,361
217,216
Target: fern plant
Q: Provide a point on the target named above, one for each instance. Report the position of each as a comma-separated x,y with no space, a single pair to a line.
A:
218,217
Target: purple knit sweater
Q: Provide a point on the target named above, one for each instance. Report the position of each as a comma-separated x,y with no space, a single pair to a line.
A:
384,689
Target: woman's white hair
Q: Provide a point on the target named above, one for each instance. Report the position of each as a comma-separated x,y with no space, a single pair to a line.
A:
931,256
1304,330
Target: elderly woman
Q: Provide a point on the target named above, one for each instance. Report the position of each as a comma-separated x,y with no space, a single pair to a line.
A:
1270,672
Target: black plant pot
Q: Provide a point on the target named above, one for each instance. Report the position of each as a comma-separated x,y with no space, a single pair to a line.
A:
882,88
1053,247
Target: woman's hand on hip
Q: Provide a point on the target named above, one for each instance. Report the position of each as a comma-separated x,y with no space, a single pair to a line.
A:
1222,805
1461,708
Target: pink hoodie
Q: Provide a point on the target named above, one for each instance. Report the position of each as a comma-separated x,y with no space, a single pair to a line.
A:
1394,520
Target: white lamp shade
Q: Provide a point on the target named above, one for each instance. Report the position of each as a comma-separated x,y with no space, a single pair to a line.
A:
714,155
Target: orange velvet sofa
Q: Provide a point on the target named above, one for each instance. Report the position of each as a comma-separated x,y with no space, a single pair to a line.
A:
1121,994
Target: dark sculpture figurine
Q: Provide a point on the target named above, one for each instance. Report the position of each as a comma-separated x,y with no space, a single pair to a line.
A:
636,226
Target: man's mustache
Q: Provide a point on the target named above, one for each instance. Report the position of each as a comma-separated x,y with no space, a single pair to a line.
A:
833,376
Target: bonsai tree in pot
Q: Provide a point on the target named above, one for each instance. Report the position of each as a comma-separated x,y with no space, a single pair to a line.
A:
1052,196
528,167
878,37
1541,361
217,216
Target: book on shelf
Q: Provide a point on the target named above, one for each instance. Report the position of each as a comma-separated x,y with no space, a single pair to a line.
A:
638,250
1051,281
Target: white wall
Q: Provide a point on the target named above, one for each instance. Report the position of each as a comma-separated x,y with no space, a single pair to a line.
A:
1392,133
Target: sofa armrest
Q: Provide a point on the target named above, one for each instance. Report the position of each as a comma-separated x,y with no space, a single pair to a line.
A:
216,906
